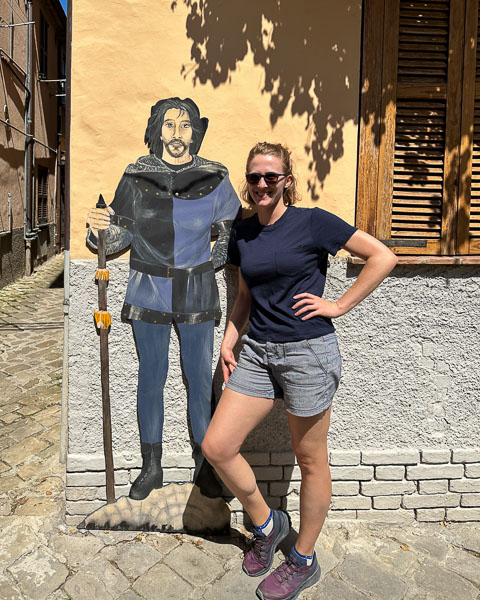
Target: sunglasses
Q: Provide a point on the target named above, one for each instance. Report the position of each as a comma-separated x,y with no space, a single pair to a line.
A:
270,177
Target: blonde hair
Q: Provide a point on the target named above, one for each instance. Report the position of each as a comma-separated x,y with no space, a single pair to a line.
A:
290,194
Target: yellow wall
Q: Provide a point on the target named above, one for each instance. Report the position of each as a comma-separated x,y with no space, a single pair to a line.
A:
278,71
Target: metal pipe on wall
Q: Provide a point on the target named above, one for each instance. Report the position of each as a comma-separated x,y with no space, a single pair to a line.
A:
28,204
66,272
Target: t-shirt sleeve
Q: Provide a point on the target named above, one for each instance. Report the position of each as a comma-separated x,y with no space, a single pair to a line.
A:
233,256
329,232
226,202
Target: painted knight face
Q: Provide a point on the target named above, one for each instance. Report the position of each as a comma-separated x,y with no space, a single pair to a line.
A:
176,133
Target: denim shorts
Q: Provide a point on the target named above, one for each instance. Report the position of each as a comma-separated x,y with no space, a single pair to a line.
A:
305,374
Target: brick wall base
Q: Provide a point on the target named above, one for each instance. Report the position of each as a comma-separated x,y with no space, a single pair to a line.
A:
385,486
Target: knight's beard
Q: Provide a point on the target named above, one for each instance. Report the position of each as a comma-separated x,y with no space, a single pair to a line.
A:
176,148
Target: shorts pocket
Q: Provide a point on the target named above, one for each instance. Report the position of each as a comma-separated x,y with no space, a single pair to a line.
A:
318,349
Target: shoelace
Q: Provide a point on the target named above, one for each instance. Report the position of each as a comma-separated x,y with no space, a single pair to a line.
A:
286,570
258,547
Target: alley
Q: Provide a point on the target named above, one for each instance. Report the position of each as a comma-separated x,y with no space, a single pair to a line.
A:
42,558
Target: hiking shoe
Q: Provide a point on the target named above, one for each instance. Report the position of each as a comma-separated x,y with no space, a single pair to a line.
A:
289,579
259,558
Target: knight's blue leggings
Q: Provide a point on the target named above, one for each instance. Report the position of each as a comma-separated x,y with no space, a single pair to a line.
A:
196,349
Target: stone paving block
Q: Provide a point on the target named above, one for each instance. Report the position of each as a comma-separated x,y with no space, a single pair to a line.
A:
108,537
466,455
390,472
16,538
332,588
10,418
102,569
464,564
400,456
172,586
435,472
8,591
443,584
463,514
345,488
433,486
75,548
224,549
85,585
39,507
435,515
26,430
387,488
471,470
351,473
133,558
194,564
9,483
38,574
18,453
234,585
431,501
326,559
470,500
345,457
368,575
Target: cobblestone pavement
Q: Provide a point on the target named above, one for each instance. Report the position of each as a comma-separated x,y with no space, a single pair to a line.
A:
42,558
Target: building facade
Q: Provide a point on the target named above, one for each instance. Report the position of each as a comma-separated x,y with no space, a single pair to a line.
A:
378,103
32,62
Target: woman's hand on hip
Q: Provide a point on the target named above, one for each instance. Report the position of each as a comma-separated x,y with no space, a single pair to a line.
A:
314,306
228,362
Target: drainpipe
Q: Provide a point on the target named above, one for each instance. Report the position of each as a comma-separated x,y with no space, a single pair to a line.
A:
66,271
28,204
11,28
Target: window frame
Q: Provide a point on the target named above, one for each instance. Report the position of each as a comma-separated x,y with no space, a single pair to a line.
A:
380,93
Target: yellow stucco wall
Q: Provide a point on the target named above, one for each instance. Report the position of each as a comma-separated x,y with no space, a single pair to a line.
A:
284,71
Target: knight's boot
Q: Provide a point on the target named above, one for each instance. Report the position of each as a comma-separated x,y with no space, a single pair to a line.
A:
151,475
204,475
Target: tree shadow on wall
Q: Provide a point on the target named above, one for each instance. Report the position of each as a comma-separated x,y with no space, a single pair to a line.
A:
310,56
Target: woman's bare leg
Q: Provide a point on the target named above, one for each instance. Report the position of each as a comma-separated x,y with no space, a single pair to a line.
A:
309,442
235,417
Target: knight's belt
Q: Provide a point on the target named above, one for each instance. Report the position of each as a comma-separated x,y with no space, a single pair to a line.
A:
169,272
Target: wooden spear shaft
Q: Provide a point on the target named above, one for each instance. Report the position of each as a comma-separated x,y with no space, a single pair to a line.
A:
103,324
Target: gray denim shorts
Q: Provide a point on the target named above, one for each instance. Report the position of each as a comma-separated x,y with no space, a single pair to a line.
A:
305,374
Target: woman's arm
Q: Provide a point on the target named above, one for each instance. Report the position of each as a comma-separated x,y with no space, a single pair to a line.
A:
236,324
379,262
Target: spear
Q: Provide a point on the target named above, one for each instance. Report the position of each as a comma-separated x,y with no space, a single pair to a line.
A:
103,321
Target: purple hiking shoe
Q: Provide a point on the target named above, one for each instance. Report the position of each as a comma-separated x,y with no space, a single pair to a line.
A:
289,579
259,558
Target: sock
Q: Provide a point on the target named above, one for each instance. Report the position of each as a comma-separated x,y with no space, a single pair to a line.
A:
307,559
267,527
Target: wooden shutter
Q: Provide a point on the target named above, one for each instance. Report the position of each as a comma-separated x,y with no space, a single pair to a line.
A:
42,195
469,184
412,204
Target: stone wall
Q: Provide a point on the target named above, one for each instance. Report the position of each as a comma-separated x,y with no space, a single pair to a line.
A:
405,422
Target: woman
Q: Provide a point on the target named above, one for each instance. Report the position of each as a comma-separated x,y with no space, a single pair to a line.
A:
290,352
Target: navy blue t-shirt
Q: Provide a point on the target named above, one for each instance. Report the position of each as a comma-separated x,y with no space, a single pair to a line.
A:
281,260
